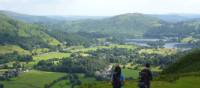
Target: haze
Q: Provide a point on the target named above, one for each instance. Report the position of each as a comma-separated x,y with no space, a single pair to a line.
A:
100,7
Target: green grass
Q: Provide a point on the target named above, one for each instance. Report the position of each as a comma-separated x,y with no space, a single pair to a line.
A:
32,79
4,49
84,79
62,84
46,56
81,77
130,73
186,64
184,82
40,50
50,55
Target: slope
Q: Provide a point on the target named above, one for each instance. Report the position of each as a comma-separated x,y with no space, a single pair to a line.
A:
187,64
23,34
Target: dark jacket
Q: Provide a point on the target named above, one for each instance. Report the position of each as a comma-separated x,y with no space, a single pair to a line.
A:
146,76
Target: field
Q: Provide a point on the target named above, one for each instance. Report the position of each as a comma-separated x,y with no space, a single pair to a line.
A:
32,79
62,84
130,73
50,55
37,79
4,49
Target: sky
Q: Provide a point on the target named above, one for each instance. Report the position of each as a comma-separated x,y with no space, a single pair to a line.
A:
100,7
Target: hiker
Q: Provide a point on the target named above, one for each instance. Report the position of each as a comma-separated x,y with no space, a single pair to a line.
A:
145,76
117,78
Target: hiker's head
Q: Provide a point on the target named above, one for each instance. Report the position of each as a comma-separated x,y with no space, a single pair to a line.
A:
147,65
117,69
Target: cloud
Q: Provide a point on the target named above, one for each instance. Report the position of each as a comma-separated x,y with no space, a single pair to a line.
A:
99,7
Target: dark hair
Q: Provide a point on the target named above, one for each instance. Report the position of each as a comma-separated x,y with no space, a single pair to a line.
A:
117,70
147,65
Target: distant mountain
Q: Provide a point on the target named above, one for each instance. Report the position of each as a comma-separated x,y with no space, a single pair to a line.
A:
47,19
130,24
177,17
172,18
26,35
73,18
30,18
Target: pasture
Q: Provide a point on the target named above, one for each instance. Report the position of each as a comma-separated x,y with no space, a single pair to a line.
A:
32,79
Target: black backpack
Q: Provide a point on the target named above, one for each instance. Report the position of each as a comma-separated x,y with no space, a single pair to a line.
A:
116,81
144,75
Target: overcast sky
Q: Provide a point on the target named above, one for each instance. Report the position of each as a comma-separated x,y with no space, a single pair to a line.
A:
100,7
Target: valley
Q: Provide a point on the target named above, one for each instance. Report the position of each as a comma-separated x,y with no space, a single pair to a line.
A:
41,52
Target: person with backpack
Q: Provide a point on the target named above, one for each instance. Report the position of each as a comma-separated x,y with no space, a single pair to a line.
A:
117,78
145,76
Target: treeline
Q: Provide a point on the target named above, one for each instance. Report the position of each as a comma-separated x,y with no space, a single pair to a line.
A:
79,38
123,56
10,57
99,59
85,65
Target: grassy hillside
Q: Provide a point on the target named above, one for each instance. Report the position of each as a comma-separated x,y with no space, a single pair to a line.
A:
32,79
185,82
4,49
23,34
50,55
186,64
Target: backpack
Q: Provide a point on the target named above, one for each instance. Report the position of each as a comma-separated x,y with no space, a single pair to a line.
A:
143,77
116,81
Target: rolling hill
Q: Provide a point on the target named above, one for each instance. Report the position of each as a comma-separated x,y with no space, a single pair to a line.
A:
130,24
26,35
30,18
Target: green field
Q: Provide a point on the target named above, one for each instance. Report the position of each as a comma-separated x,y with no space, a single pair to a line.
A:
32,79
4,49
62,84
66,83
50,55
130,73
46,56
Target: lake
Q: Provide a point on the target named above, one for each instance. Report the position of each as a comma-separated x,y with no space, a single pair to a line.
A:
169,45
